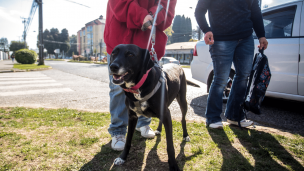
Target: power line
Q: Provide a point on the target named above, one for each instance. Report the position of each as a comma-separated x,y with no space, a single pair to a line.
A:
51,41
78,3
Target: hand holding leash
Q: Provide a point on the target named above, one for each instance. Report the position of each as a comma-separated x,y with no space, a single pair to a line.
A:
150,20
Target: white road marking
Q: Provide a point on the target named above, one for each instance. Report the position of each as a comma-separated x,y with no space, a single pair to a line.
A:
22,82
7,87
23,78
41,92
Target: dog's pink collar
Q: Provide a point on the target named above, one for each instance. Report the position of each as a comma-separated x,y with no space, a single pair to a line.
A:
135,88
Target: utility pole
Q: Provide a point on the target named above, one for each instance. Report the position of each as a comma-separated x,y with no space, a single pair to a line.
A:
41,46
24,32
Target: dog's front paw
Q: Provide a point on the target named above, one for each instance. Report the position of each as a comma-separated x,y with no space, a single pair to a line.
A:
187,138
157,132
119,161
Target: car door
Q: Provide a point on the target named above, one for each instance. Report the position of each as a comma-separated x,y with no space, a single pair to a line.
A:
282,32
301,57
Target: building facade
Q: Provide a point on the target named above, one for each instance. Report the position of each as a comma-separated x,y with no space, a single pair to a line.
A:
182,51
90,38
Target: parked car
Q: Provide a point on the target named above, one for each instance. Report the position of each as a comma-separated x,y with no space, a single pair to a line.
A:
284,27
167,60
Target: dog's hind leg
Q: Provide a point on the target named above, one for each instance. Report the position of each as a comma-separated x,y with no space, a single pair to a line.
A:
182,101
169,137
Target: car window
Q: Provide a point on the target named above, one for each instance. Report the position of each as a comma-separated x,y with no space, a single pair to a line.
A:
278,23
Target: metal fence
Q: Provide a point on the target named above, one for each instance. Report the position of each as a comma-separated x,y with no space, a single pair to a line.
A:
3,56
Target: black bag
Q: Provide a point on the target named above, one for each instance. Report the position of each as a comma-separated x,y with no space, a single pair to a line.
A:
258,82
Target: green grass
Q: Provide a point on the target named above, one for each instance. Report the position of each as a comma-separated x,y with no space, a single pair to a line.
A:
90,62
54,59
64,139
185,66
29,66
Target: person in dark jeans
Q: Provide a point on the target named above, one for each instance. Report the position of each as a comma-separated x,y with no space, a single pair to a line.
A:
230,39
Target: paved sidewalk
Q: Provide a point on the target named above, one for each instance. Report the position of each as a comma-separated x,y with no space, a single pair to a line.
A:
7,66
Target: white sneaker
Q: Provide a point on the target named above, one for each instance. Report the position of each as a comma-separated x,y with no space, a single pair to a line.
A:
218,125
146,131
244,122
118,142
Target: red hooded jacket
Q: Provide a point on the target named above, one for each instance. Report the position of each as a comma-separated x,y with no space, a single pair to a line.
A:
125,18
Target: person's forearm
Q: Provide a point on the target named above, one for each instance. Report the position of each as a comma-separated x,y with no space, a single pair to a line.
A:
257,19
200,12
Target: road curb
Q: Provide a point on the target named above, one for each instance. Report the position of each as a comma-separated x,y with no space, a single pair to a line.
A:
27,70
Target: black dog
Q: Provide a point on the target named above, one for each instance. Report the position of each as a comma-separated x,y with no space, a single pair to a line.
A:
128,65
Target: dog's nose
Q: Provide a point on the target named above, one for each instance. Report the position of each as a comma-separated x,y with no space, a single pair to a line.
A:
114,67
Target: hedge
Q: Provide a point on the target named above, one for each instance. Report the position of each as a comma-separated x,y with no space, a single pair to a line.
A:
25,56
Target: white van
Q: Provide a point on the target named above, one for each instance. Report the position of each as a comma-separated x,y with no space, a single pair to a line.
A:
284,27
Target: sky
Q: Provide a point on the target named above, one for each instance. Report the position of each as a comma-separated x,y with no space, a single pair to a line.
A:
64,14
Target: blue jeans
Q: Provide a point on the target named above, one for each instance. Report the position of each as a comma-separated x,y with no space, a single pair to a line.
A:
118,110
223,53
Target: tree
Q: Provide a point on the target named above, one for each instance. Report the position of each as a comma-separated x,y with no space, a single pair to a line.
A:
47,37
4,44
195,33
17,45
64,37
73,44
53,39
182,29
169,32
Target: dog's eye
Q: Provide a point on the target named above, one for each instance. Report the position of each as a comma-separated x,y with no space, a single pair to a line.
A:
130,55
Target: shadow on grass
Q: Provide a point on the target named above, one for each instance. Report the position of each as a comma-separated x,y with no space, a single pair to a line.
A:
181,157
104,159
264,148
153,159
232,158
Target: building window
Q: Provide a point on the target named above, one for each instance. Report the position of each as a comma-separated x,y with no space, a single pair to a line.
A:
83,32
90,36
89,28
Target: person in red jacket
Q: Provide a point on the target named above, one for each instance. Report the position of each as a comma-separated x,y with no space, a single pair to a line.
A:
124,20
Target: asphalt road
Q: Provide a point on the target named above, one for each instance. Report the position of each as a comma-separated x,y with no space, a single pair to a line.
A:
85,86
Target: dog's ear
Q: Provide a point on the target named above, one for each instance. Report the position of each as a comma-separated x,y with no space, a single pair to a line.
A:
147,62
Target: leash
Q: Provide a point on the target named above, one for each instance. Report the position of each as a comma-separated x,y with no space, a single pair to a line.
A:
154,56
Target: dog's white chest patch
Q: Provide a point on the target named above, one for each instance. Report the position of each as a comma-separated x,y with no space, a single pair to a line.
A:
143,107
129,84
137,96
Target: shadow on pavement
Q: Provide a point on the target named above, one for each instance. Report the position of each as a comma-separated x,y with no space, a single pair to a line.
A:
264,147
277,113
282,114
199,105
